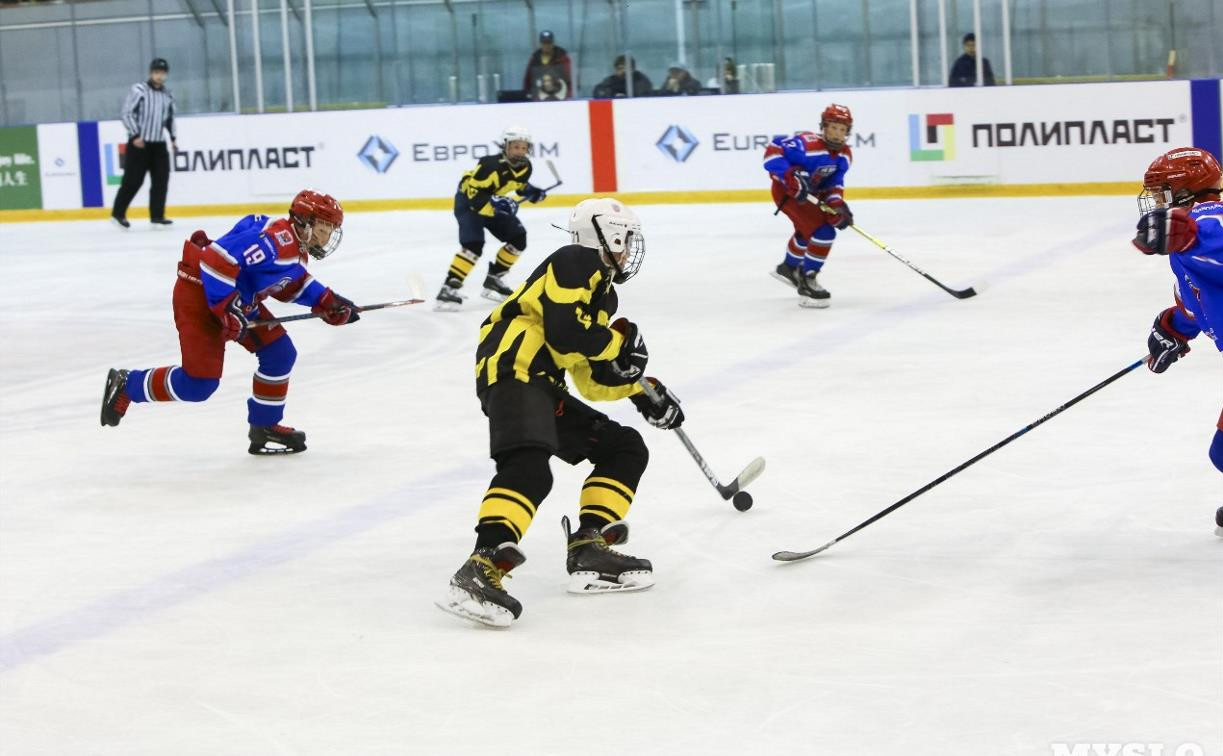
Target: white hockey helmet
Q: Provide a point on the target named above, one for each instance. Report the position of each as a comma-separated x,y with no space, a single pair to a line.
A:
515,134
608,225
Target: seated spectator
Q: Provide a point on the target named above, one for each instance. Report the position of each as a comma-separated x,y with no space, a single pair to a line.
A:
616,85
964,71
549,60
679,82
730,77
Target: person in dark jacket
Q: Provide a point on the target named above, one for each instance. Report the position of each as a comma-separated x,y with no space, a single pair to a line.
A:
616,85
549,74
964,71
679,82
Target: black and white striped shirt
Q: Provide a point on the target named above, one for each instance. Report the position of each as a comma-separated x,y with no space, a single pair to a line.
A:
147,111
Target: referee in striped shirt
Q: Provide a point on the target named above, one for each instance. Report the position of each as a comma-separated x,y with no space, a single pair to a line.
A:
148,113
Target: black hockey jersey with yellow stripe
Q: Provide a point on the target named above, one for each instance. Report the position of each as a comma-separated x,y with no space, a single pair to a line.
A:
493,174
557,321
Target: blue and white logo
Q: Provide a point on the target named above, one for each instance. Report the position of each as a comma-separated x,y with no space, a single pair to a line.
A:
378,154
677,143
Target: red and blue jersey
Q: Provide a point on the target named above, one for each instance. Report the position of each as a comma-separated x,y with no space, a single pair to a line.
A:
1199,277
809,152
259,258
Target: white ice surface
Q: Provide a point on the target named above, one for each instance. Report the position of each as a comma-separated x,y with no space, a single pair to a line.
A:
163,592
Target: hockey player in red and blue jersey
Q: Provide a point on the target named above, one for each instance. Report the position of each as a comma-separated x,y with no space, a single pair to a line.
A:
220,291
1183,219
807,167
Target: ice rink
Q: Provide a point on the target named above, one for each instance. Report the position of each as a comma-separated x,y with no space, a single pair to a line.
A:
164,592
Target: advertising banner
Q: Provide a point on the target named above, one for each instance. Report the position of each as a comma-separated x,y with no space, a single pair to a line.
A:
911,137
60,166
355,155
20,186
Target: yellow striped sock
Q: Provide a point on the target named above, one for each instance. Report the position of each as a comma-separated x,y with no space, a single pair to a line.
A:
507,507
605,498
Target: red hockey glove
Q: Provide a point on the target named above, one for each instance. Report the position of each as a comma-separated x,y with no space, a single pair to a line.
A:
200,239
335,309
229,314
667,414
840,216
1165,343
1163,231
798,183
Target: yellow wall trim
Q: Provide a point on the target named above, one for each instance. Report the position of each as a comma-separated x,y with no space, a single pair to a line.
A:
945,191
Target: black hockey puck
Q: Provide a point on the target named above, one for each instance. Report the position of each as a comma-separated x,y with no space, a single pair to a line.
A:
742,501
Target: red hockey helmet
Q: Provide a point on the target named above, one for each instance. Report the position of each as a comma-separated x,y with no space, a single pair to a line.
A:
310,206
837,114
1179,178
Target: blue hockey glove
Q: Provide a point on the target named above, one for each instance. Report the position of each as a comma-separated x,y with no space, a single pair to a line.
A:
533,194
503,205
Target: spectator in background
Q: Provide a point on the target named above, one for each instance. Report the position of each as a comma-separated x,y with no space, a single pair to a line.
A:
148,113
549,60
964,71
616,85
679,82
730,77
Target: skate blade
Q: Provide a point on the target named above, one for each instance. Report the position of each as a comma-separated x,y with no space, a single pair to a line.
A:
784,279
271,451
493,296
461,604
590,584
814,304
447,306
1219,532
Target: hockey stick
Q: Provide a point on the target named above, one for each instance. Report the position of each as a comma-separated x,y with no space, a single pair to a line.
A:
309,315
794,556
957,293
555,177
742,499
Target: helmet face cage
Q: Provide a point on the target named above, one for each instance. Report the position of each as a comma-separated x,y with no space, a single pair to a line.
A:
319,252
308,208
626,259
515,135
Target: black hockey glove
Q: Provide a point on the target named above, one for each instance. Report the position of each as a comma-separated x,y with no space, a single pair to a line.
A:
1165,344
629,364
798,183
533,194
503,205
667,414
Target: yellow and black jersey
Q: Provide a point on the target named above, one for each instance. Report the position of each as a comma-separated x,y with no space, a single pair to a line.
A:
555,322
493,174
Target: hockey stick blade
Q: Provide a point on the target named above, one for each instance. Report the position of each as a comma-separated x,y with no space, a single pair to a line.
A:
750,473
794,556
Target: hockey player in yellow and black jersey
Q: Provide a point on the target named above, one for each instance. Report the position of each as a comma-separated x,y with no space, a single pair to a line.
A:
481,203
559,322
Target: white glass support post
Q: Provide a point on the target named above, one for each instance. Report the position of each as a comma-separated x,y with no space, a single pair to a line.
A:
914,52
310,86
680,43
258,56
1006,41
233,54
288,58
976,30
942,39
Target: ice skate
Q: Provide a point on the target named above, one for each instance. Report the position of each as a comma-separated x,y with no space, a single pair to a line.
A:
811,294
791,277
594,567
1219,522
114,397
276,439
449,299
475,591
495,287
